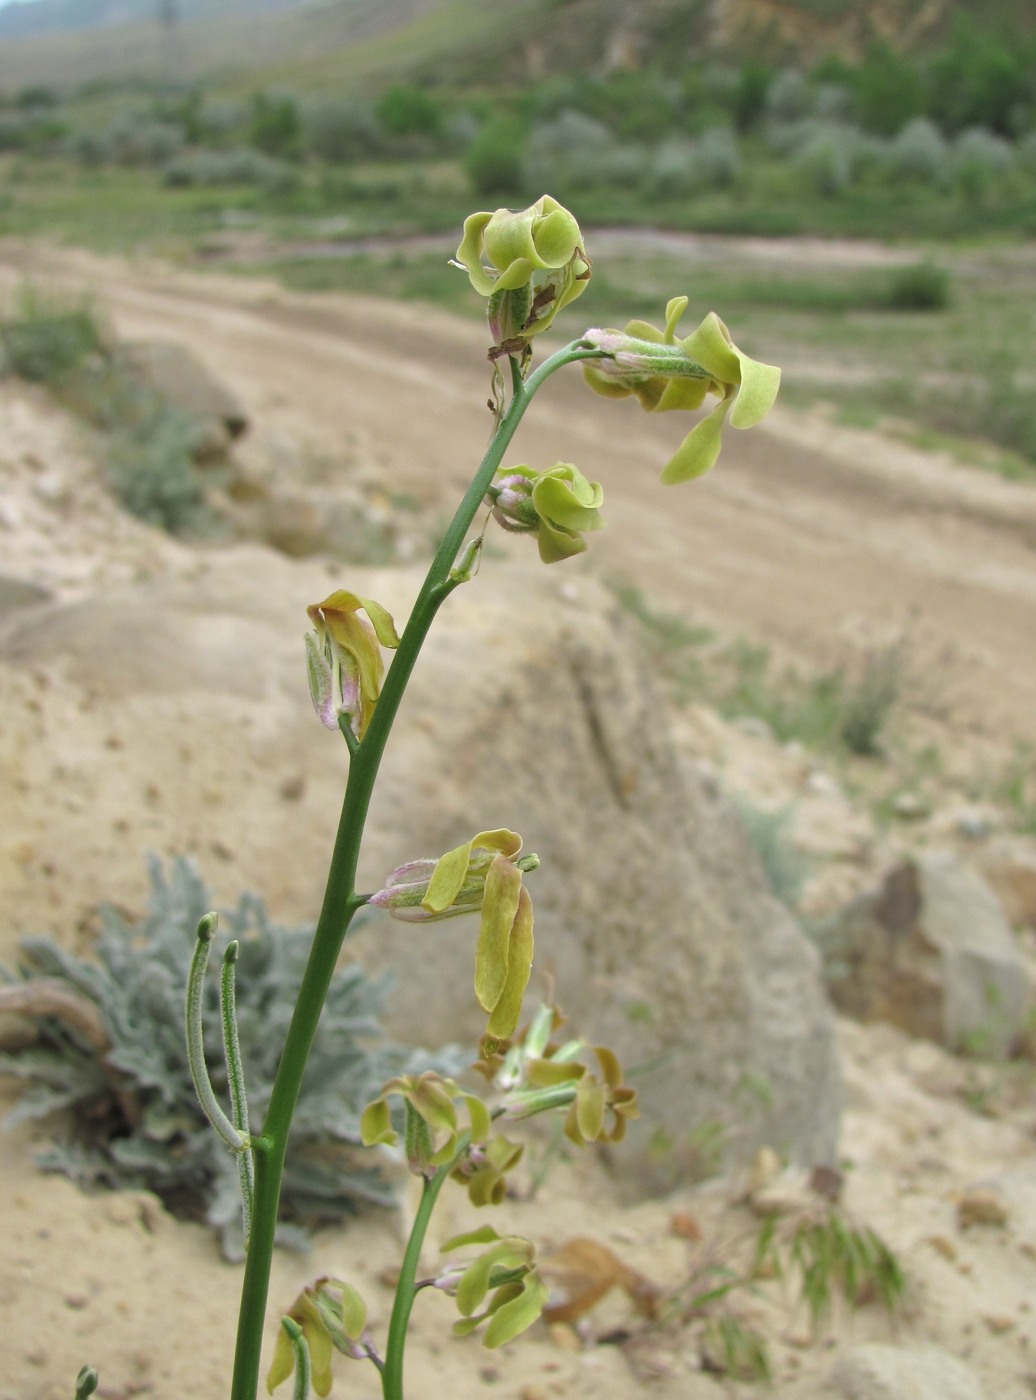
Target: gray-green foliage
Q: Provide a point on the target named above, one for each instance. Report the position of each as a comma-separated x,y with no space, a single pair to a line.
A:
132,1117
150,466
919,152
45,337
238,165
785,866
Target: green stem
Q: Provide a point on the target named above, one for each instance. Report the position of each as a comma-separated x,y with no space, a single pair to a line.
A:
406,1288
340,898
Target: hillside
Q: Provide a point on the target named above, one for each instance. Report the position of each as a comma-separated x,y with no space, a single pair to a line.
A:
357,44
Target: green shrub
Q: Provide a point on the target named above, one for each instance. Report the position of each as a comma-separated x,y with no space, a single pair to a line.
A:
275,127
789,96
150,466
47,337
982,78
676,169
494,162
239,165
568,153
922,286
827,162
888,91
111,1053
340,132
408,111
978,159
918,153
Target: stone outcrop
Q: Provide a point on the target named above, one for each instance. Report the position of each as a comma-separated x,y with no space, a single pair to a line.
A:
184,726
930,951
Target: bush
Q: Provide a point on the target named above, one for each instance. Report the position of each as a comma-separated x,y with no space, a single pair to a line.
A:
237,166
888,91
828,160
918,153
719,156
568,152
46,338
275,127
983,79
409,111
150,466
789,96
978,159
111,1053
923,286
341,132
494,162
676,169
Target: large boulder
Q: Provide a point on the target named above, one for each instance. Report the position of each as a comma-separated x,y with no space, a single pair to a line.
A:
173,716
178,378
931,952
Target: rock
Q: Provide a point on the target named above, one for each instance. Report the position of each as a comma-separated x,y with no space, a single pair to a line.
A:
178,377
878,1371
931,952
20,593
981,1206
531,707
1009,865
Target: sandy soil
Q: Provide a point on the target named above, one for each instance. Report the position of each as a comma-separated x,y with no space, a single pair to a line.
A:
821,540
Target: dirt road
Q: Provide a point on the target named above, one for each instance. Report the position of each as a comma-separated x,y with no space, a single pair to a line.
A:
818,540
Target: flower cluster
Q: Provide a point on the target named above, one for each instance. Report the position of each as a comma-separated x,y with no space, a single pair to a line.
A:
556,505
664,372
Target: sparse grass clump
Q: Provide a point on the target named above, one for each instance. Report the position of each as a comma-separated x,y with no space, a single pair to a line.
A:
46,337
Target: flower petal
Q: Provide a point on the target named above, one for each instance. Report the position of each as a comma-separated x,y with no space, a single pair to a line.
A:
518,1313
759,385
698,452
508,1008
492,953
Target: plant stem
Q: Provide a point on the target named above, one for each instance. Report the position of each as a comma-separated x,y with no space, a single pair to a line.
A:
340,899
406,1290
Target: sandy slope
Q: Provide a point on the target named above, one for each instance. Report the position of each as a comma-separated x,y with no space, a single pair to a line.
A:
821,541
818,538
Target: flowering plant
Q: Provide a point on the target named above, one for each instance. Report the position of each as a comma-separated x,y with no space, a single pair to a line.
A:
528,265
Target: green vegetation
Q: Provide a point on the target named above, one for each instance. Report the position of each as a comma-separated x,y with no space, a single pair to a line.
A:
46,338
820,1254
147,445
834,710
109,1053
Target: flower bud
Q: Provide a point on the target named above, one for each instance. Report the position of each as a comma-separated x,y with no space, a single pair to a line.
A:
558,504
343,658
529,263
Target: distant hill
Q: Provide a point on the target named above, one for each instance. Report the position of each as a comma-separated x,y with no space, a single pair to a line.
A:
26,19
349,45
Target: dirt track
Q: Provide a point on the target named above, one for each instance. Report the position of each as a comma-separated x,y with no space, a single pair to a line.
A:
818,539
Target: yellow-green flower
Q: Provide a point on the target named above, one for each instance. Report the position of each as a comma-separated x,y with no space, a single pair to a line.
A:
484,873
344,658
331,1316
556,504
663,371
529,263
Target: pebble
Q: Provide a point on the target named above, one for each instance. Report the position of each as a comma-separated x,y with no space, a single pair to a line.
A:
981,1206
